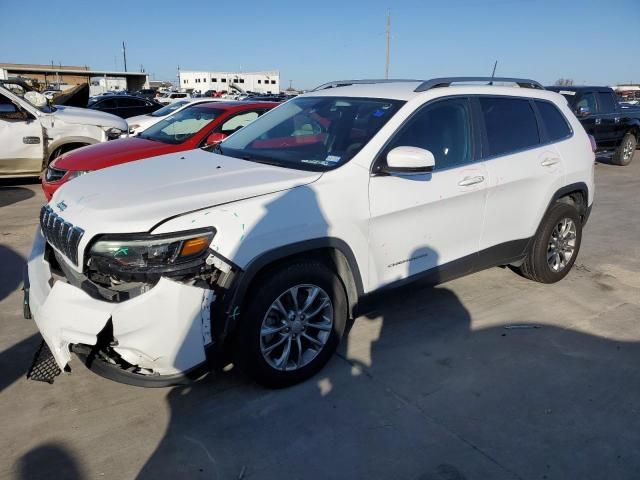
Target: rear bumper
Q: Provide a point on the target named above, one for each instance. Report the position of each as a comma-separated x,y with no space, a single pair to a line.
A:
161,333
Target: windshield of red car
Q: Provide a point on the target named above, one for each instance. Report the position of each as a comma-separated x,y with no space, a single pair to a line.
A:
311,133
182,125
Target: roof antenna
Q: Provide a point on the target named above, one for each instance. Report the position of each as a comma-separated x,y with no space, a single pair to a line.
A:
493,74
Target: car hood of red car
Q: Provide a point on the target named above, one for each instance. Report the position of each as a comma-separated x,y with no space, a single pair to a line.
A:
114,152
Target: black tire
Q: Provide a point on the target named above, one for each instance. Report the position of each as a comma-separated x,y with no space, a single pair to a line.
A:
625,151
536,266
265,291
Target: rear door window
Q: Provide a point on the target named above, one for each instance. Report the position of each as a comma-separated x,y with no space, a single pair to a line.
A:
238,121
555,123
510,125
606,102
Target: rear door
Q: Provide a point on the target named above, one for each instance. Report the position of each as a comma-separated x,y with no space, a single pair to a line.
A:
21,140
611,128
524,170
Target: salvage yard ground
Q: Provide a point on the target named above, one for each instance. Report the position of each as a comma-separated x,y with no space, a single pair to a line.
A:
430,385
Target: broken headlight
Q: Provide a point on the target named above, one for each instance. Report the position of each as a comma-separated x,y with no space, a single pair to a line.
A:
147,253
113,133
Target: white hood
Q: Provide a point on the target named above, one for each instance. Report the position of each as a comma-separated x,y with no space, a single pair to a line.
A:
143,122
87,116
136,196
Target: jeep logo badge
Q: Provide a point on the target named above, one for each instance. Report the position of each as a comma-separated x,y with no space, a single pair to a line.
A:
62,206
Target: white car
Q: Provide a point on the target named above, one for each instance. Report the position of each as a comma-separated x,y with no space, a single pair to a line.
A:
32,132
265,246
140,123
171,97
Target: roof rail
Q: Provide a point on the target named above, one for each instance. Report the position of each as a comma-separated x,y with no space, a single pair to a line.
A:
346,83
447,81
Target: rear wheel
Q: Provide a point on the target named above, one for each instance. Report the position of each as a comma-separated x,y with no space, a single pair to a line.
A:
293,323
555,246
624,153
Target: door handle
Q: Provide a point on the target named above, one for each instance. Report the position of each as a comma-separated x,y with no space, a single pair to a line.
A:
598,121
467,181
616,119
547,162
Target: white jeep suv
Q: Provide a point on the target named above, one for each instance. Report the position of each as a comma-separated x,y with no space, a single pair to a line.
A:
265,246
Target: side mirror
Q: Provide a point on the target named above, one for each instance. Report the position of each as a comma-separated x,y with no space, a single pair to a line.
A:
583,111
409,160
214,139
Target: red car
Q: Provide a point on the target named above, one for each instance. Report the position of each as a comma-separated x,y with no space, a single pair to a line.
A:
197,126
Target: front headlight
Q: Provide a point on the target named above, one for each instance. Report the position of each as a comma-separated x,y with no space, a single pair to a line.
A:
54,174
76,173
113,133
150,253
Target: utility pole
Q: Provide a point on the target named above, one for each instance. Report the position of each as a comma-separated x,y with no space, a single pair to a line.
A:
124,55
386,66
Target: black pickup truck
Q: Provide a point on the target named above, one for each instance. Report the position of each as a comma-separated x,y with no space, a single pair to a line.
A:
615,129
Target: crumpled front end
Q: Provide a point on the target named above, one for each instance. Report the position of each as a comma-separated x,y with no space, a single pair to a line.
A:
157,335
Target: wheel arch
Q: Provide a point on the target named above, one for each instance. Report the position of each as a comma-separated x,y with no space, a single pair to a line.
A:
331,250
68,141
575,193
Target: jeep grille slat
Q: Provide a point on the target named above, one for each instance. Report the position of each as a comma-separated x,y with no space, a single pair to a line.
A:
60,234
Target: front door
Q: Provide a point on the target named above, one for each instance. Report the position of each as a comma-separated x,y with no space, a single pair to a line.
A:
21,139
422,222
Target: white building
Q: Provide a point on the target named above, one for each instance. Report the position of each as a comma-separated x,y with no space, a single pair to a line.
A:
105,84
259,82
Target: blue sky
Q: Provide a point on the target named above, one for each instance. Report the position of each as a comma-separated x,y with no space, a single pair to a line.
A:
589,41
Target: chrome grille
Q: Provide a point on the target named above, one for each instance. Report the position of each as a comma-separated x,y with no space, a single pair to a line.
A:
60,234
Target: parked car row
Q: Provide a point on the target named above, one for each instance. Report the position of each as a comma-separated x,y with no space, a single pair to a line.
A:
257,242
198,125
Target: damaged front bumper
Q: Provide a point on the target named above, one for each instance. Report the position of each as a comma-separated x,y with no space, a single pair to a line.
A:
157,338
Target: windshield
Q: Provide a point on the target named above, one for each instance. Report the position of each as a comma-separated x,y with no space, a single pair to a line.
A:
311,133
164,111
182,125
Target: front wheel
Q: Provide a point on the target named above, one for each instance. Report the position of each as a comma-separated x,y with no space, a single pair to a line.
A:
294,319
624,153
555,246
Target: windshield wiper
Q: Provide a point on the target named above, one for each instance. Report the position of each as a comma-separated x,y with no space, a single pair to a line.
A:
249,158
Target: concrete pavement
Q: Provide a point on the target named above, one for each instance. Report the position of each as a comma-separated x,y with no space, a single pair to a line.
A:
430,385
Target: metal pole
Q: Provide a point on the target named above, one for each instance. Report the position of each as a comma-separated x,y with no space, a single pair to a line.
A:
386,67
124,54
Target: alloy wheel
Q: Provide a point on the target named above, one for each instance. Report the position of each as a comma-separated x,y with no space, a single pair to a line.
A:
562,244
627,150
296,327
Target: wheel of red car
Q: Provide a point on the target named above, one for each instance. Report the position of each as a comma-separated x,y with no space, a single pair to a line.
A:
294,319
